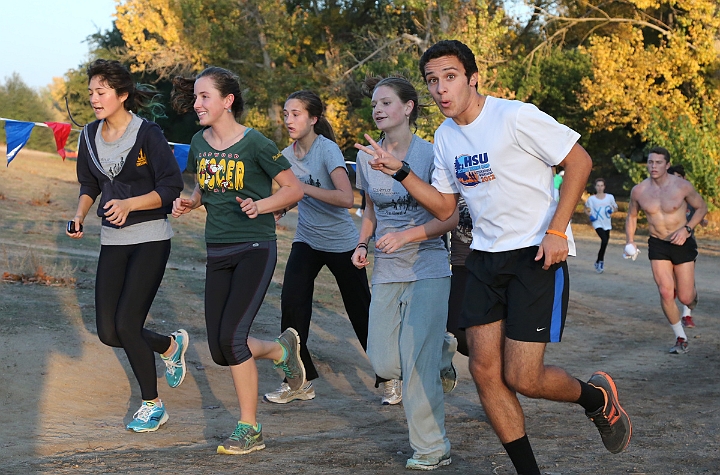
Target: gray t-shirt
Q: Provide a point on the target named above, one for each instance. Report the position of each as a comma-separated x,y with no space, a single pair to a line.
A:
322,226
395,211
111,156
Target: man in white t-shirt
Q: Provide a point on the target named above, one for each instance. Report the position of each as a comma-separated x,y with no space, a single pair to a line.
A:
599,207
498,155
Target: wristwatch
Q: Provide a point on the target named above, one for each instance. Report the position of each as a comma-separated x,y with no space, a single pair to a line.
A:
688,229
401,174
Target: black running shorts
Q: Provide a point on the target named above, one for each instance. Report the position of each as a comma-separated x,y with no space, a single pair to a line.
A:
513,286
660,250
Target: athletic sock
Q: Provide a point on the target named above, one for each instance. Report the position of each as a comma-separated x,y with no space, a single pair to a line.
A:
686,311
591,398
284,356
679,332
522,456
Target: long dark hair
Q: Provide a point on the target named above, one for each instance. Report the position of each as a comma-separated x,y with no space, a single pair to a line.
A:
315,108
141,97
402,87
226,82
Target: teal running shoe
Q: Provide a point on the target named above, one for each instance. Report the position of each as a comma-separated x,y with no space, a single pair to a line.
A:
148,418
292,365
244,439
175,364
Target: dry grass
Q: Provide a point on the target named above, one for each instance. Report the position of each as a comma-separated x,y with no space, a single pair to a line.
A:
42,199
34,269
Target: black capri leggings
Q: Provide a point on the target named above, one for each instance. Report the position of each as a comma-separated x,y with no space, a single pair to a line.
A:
128,278
604,235
302,268
237,277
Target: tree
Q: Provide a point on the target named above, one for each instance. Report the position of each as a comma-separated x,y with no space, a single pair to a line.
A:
664,60
20,102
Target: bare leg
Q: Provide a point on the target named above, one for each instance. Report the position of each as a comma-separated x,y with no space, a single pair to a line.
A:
665,280
245,379
486,345
527,374
685,281
245,376
265,350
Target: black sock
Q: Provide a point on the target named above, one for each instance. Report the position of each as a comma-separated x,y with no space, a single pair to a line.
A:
522,456
591,398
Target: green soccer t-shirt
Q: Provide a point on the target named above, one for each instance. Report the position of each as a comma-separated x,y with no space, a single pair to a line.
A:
243,170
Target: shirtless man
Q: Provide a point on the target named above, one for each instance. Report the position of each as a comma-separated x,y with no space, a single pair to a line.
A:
672,248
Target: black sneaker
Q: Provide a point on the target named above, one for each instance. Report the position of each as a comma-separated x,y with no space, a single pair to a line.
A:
611,420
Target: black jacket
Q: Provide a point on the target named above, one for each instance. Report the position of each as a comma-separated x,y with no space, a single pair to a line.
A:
149,166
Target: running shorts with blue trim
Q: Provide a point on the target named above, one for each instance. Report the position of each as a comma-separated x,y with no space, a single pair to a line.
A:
512,286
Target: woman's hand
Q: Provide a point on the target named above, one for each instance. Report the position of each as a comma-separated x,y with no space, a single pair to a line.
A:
391,242
248,206
359,257
382,160
117,211
78,234
181,206
279,214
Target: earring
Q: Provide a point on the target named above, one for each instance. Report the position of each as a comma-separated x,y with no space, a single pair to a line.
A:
229,110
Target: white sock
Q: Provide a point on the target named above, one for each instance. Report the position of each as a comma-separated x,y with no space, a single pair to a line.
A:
679,332
686,311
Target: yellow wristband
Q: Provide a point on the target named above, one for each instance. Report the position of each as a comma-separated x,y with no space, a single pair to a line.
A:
556,233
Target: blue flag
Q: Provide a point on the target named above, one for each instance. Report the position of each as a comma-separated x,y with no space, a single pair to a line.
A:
17,134
181,152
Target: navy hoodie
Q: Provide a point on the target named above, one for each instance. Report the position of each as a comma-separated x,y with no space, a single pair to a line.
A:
149,166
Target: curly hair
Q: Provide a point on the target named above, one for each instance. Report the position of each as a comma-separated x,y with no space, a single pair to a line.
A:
450,48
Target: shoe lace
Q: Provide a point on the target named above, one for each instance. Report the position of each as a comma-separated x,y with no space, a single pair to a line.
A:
602,423
143,414
171,365
240,431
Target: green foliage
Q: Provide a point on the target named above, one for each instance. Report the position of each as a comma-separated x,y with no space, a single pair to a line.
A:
694,146
20,102
636,172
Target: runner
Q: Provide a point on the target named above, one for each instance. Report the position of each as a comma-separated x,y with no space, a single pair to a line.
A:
492,151
325,235
234,167
671,247
679,171
411,276
128,163
460,239
599,208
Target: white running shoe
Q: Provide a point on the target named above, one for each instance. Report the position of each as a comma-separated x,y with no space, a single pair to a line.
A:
392,392
284,394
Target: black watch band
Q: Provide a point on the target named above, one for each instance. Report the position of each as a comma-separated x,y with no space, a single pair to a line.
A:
401,174
688,229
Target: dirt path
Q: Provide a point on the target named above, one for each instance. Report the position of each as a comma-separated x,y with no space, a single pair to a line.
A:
64,397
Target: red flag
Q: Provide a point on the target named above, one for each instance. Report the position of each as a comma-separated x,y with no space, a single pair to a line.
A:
61,132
